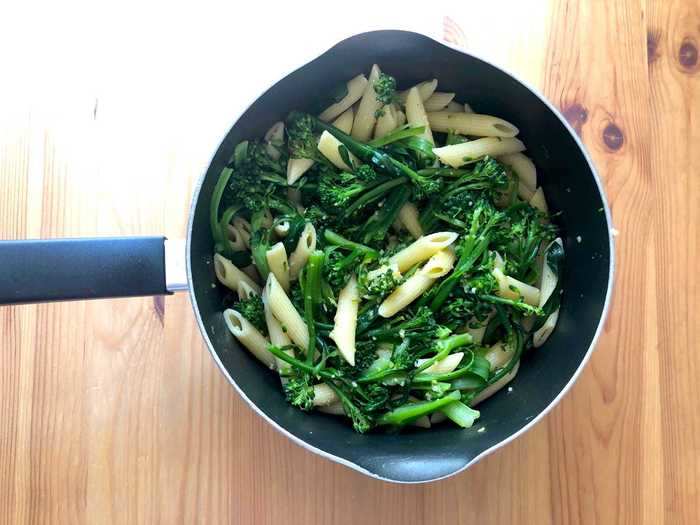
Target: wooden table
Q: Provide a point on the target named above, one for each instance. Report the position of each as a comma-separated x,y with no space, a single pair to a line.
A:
113,412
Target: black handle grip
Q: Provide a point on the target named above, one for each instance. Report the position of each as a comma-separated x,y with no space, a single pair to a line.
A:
36,271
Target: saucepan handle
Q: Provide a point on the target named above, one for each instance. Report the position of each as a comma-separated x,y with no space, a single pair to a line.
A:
36,271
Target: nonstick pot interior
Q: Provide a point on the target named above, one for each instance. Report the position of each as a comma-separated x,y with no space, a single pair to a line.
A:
570,186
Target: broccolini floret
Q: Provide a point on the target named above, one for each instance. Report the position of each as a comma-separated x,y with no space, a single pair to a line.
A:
252,309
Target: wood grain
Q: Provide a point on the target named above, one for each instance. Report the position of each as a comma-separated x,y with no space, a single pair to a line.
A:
113,411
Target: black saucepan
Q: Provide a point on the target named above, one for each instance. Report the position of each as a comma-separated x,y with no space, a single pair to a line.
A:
34,271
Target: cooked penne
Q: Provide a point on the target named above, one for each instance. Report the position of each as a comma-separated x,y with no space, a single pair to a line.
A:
356,87
305,245
523,167
510,288
471,124
422,249
274,140
498,355
538,201
416,115
425,89
438,100
245,291
495,387
244,229
296,168
281,229
345,320
408,215
335,409
400,118
388,121
249,337
344,121
235,239
444,366
277,261
366,118
229,275
284,311
278,336
542,334
458,155
324,395
420,282
454,107
328,145
468,108
548,279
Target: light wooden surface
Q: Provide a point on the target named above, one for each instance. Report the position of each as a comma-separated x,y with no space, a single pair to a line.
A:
113,412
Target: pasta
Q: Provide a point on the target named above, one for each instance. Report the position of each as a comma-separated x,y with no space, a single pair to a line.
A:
408,260
249,337
343,332
277,261
422,249
355,87
328,145
366,118
420,282
438,100
284,311
345,120
408,215
305,245
458,155
229,275
425,90
416,115
471,124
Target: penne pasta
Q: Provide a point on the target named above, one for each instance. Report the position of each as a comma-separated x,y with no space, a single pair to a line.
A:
249,336
468,108
422,422
458,155
345,320
277,261
388,121
438,100
548,279
400,118
498,355
245,291
510,288
229,275
278,336
284,311
344,121
281,229
324,395
274,140
356,87
305,245
335,409
408,215
454,107
444,366
542,334
328,145
471,124
365,118
538,201
495,387
422,249
244,229
523,167
235,239
425,89
296,168
416,115
419,283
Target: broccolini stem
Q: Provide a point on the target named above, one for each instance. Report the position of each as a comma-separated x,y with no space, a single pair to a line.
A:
312,298
338,240
444,347
411,411
301,365
374,194
215,202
